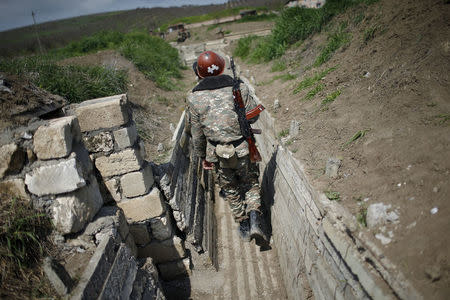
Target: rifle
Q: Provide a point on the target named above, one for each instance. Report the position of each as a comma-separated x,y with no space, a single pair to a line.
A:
239,107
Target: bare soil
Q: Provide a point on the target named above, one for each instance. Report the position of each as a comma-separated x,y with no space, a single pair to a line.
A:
395,88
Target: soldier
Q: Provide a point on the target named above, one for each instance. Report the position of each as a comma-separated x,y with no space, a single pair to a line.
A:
218,141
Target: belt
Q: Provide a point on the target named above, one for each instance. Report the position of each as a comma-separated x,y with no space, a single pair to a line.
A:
234,143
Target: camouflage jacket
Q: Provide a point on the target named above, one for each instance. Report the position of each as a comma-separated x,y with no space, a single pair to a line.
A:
213,119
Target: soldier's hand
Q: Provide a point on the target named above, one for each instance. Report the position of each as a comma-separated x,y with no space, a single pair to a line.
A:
207,165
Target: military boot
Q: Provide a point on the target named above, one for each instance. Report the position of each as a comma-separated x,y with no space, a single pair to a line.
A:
256,228
244,230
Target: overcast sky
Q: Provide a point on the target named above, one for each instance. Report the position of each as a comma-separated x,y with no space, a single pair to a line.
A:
17,13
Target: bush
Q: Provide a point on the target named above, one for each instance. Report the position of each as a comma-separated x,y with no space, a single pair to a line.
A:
75,83
153,57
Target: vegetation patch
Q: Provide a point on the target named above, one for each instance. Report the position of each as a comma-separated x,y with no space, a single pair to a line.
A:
278,66
336,40
283,133
330,98
361,217
318,88
356,136
332,195
443,118
75,83
23,243
310,81
369,33
285,77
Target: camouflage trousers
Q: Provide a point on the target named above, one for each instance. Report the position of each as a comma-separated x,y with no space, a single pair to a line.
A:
241,187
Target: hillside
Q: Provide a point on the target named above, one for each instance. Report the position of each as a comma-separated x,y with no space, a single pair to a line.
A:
382,111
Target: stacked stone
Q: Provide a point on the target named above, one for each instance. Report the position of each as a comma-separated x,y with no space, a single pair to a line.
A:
110,135
52,168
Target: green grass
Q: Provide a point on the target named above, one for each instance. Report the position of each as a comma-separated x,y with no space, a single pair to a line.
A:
357,135
312,93
285,77
443,118
336,40
310,81
330,98
296,24
283,133
278,66
75,83
258,18
361,217
333,195
369,33
244,45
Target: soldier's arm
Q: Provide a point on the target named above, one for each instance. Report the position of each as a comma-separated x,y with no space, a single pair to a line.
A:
198,138
250,103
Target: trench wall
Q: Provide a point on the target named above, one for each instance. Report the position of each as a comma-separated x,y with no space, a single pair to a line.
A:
320,249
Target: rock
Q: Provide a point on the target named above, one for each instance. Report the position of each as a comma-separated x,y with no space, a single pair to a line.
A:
146,285
57,178
137,183
377,214
162,227
58,276
140,233
294,129
109,218
73,211
144,208
102,142
433,272
54,140
160,147
276,104
384,240
125,137
119,163
332,167
14,187
12,159
163,251
434,210
113,187
103,113
172,128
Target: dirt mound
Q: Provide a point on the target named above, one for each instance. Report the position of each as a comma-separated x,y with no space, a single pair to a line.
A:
389,126
21,100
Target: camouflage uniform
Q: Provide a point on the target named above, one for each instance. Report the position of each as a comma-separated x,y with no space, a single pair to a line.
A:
214,124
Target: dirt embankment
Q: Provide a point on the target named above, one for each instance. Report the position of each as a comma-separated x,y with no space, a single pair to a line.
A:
393,80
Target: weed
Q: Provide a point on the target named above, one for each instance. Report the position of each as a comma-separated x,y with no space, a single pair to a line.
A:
294,150
278,66
285,77
443,118
289,142
356,136
310,81
332,195
335,41
283,133
369,34
318,88
358,18
244,45
361,217
330,97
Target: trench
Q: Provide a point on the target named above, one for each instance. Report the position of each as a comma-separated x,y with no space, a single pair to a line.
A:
317,253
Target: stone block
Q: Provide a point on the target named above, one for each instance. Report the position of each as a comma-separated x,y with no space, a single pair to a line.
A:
108,219
54,140
101,142
140,233
163,251
146,285
103,113
91,281
119,283
129,241
113,187
143,208
61,177
72,211
58,276
162,227
137,183
125,137
174,269
14,187
119,163
12,158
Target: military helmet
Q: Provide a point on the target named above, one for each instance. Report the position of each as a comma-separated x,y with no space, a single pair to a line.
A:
210,64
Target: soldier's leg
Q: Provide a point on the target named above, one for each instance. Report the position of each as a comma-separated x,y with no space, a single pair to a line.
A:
248,174
229,184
